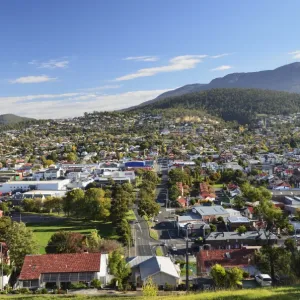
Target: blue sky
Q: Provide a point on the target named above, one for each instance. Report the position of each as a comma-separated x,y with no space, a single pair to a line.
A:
62,58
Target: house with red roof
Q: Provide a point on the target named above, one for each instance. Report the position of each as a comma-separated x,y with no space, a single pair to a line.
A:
49,270
228,258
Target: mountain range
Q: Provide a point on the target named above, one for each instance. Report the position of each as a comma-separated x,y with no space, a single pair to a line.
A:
285,78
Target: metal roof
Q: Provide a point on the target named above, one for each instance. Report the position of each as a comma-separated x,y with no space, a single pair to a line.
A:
211,210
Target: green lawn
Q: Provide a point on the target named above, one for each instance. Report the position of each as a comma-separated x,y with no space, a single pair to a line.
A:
43,231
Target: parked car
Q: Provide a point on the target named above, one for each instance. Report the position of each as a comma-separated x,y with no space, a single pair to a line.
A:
263,280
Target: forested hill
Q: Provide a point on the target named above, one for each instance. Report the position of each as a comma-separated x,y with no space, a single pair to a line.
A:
285,78
241,105
8,119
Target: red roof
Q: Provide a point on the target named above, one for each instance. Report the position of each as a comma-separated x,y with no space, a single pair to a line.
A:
251,209
35,265
224,257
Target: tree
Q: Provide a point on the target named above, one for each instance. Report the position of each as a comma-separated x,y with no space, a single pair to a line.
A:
66,242
273,261
119,206
218,275
5,223
72,197
124,231
177,175
242,229
174,192
234,277
148,207
71,157
94,241
53,203
290,245
4,207
118,267
107,246
239,202
150,176
149,289
20,242
96,206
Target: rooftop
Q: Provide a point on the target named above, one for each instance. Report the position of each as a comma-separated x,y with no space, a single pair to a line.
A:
35,265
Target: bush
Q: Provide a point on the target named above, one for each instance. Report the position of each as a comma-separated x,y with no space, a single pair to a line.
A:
79,285
96,283
24,291
246,274
41,291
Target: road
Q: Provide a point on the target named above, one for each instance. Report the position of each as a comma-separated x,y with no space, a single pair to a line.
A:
143,242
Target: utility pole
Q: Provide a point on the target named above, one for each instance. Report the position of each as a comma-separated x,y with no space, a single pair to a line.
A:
1,266
187,258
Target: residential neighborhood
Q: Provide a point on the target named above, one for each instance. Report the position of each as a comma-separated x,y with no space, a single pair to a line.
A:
147,193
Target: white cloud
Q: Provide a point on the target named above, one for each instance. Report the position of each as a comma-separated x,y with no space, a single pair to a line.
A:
73,104
177,63
142,58
103,87
296,54
220,55
222,68
51,64
33,79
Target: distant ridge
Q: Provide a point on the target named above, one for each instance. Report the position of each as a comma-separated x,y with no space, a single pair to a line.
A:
285,78
8,119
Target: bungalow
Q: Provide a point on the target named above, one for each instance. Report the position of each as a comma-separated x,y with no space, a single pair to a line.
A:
242,258
45,270
161,269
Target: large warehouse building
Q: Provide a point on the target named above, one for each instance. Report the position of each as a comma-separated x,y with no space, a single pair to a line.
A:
24,186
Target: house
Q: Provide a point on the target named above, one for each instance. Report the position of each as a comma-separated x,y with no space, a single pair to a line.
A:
228,258
234,240
161,269
210,213
236,222
182,201
53,173
197,226
47,270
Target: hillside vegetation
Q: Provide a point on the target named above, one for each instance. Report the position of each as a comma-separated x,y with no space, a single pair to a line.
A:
241,105
8,119
286,293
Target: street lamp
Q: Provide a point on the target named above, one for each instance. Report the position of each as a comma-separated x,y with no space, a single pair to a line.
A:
187,226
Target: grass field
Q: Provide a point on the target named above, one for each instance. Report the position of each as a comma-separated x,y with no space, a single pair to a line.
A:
286,293
43,231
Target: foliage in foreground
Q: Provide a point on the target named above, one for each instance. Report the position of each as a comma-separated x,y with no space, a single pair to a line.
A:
286,293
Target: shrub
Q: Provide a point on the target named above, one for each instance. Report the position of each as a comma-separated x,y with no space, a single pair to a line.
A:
24,291
79,285
96,283
246,274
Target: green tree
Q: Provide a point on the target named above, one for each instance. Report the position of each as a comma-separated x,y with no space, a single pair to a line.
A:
4,207
239,202
66,242
94,241
213,227
20,242
218,275
118,267
119,206
96,206
234,277
72,157
242,229
5,224
53,204
71,200
174,192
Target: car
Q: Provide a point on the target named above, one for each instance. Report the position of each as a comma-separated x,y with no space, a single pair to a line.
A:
263,279
155,220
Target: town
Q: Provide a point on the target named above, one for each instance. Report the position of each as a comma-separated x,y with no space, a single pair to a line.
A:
170,198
